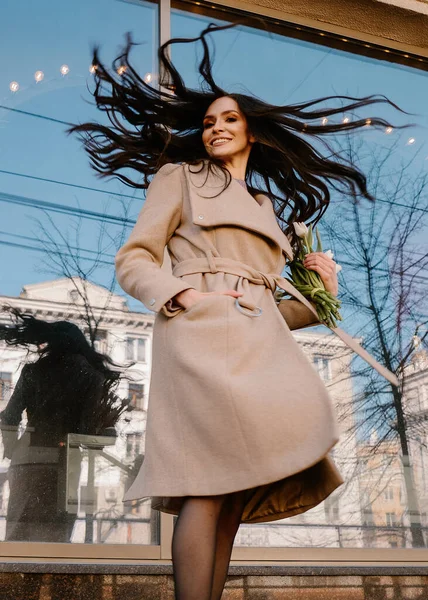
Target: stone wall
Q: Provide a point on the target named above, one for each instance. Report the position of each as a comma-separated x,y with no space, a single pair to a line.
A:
375,584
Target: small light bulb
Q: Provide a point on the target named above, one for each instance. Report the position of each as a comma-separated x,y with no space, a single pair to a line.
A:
121,70
368,121
346,120
65,69
389,130
324,121
92,69
39,76
148,77
14,86
411,141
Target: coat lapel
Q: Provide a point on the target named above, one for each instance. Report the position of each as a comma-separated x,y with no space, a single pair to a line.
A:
234,206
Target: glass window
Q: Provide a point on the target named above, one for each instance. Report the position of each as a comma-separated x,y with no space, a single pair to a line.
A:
285,69
136,349
323,366
5,386
136,395
60,229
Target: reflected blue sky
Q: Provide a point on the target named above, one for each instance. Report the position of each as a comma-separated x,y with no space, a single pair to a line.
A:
47,35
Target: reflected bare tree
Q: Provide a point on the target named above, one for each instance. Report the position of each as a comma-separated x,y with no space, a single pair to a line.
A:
384,283
66,256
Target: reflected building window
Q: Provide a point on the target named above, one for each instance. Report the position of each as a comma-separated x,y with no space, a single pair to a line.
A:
100,343
136,395
5,386
134,445
391,519
388,493
323,365
136,349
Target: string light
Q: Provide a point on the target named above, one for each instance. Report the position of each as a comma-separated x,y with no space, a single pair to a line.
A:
39,76
65,69
368,122
14,86
389,130
346,120
121,70
93,68
410,141
148,77
324,121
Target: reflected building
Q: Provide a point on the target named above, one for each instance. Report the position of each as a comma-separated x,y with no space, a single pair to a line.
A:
126,337
383,499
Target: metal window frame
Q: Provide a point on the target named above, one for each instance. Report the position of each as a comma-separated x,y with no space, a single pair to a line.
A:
161,553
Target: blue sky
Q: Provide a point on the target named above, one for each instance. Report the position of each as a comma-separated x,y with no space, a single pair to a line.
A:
48,34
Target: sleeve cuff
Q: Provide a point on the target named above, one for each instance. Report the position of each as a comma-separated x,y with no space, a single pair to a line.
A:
297,315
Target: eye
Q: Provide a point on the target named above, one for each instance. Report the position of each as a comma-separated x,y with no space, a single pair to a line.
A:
207,125
231,119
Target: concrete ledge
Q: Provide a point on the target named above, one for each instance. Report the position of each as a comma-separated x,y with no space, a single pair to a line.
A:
122,568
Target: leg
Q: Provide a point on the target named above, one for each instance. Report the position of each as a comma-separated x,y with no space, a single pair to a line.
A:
228,525
193,547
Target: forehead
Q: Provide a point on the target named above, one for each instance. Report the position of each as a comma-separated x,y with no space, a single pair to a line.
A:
222,104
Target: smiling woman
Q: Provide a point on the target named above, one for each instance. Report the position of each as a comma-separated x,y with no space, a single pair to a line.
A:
267,461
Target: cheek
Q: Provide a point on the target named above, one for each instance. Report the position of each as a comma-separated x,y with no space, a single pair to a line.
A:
205,136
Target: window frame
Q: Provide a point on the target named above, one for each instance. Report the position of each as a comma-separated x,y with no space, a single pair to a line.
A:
286,24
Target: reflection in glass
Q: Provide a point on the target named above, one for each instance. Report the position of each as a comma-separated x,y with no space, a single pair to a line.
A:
69,388
59,231
377,451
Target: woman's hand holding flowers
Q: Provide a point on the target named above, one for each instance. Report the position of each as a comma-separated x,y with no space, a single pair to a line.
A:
314,274
321,263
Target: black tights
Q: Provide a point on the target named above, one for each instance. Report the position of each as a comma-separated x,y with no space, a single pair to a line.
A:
202,544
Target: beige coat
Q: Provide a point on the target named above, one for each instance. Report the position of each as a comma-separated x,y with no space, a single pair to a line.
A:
234,402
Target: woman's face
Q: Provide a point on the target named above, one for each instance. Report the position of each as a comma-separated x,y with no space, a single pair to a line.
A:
225,130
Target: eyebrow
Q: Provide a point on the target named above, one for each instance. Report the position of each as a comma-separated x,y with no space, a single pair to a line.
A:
225,112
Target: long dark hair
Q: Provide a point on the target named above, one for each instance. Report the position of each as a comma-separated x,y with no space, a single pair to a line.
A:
151,127
59,338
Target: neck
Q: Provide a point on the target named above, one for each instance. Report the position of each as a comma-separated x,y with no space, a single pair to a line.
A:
237,164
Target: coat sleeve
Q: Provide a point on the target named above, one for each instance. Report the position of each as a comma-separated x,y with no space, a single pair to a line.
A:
296,314
139,261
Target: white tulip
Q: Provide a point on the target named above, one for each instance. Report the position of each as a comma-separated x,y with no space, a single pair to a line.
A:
300,229
330,254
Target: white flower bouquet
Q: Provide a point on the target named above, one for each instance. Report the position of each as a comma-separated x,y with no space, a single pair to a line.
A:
308,282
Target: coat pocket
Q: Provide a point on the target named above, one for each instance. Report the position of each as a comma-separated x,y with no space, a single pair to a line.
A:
203,304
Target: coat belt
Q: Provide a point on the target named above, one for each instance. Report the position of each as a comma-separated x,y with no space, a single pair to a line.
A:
212,264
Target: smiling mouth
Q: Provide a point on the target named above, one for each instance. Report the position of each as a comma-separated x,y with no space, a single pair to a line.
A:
220,142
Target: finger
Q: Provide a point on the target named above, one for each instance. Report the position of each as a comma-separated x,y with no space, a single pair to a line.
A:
329,266
326,276
232,293
318,259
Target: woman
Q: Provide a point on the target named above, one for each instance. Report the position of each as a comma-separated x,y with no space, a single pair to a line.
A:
68,389
240,424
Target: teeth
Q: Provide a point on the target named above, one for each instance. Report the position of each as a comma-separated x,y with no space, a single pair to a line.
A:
220,141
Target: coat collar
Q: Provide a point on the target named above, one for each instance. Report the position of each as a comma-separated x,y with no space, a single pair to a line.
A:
234,206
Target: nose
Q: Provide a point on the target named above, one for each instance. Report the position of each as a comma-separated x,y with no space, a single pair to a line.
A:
217,127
